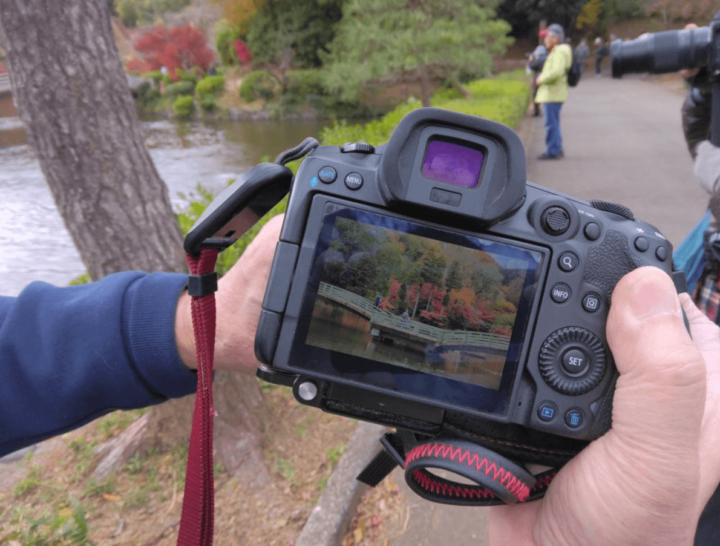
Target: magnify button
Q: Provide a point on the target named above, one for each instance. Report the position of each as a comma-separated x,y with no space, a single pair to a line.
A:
568,261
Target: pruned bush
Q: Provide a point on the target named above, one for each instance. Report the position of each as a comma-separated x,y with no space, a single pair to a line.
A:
210,85
259,84
173,90
208,90
191,75
303,83
184,106
154,75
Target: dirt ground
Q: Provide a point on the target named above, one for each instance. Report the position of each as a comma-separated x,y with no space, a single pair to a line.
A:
51,498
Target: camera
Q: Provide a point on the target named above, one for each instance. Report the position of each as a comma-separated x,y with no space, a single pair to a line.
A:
425,285
669,51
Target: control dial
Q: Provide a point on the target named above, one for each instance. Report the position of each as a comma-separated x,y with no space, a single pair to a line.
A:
572,360
620,210
555,220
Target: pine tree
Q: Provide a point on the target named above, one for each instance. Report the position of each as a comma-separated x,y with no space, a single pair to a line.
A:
423,39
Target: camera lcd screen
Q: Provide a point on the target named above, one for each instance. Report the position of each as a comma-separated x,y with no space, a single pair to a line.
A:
417,309
452,163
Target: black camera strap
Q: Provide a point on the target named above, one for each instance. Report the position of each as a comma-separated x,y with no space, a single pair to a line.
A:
497,480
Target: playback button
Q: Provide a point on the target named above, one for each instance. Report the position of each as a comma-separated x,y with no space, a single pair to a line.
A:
560,293
547,411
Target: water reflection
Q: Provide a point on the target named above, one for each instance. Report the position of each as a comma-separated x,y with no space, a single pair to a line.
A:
34,244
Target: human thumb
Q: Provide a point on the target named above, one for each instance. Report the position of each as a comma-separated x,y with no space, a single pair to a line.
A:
659,400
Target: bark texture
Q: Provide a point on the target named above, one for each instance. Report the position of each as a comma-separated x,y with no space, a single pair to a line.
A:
73,98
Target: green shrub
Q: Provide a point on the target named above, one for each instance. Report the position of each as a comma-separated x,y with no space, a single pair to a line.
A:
303,83
184,106
174,90
501,101
259,84
225,34
209,86
208,90
191,75
154,75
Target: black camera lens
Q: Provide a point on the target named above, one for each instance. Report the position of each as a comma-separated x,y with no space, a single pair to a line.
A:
661,52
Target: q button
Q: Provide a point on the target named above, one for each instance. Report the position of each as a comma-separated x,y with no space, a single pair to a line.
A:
568,262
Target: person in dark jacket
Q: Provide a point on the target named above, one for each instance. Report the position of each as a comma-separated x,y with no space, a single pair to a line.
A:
535,63
68,355
72,354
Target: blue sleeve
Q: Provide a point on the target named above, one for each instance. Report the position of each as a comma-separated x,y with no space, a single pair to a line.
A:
69,355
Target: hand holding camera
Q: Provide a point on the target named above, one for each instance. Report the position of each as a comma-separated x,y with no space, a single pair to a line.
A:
491,330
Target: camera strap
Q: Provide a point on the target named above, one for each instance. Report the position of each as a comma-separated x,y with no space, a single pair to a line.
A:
198,511
496,479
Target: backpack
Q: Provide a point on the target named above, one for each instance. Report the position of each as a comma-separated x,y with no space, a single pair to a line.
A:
573,74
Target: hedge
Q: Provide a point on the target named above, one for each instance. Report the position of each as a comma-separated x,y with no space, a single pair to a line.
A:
502,101
259,84
174,90
184,106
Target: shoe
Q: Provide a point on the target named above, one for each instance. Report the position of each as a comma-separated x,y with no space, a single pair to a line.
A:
546,155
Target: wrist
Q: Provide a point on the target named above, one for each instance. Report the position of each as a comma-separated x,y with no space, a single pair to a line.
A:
184,334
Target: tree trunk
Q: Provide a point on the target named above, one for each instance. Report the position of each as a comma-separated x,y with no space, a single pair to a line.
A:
73,99
424,85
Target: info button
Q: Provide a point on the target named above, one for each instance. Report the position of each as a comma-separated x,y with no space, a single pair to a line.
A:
560,293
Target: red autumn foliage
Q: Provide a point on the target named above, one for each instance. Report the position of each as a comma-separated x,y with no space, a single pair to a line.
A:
242,51
176,47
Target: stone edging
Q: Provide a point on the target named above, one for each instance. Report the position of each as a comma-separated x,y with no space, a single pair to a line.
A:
330,518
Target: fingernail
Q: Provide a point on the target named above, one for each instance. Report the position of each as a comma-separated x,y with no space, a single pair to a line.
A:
653,295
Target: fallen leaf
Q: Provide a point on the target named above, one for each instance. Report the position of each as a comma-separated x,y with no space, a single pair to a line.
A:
358,535
111,498
65,512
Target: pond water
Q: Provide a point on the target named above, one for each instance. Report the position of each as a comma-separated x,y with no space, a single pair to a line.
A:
34,244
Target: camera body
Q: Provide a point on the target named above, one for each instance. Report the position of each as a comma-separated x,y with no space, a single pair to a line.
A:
425,285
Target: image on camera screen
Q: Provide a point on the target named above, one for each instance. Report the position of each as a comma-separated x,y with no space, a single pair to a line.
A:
452,163
387,292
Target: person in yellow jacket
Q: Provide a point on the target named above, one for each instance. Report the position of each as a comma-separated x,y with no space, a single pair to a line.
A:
553,88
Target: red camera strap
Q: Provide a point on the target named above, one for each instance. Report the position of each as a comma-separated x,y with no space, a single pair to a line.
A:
198,512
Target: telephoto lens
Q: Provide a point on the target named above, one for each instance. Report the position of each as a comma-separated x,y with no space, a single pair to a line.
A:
662,52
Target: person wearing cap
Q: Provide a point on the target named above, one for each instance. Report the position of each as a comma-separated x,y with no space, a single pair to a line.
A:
553,88
536,60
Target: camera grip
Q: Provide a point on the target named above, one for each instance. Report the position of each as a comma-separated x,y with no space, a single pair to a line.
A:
610,261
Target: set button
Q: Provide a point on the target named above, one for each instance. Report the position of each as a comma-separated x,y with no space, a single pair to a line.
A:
575,362
547,411
661,253
568,262
574,418
327,175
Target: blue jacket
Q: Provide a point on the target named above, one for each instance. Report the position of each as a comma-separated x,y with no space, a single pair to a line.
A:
69,355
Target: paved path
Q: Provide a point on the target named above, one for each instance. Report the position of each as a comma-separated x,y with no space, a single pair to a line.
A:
623,142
